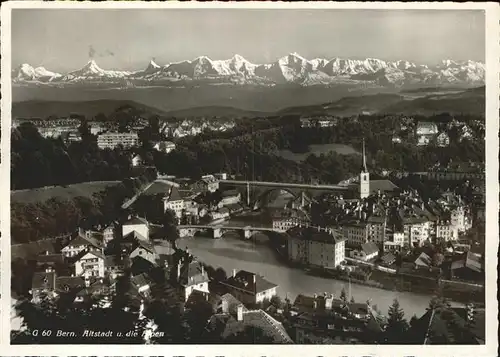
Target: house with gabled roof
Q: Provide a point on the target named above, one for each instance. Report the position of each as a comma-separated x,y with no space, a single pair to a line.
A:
84,240
191,275
234,318
144,250
328,319
137,224
367,251
250,288
174,201
90,263
68,284
142,284
164,146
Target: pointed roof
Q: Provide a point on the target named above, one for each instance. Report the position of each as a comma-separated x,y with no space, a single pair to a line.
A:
363,168
135,221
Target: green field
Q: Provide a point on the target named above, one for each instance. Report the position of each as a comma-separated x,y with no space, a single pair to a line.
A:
318,150
42,194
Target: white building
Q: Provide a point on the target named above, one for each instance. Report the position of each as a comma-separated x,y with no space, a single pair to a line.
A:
445,231
416,230
174,202
461,219
443,140
83,241
111,140
249,288
192,276
137,224
164,146
316,247
91,264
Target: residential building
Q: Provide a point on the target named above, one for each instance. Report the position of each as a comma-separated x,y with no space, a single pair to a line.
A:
328,320
142,284
108,233
445,231
207,183
249,288
426,128
179,133
74,137
283,220
468,266
111,140
461,219
84,240
376,228
423,261
116,266
416,230
367,252
233,317
144,250
230,197
137,160
137,224
316,247
221,214
388,259
164,146
90,263
443,140
191,276
356,234
174,201
395,241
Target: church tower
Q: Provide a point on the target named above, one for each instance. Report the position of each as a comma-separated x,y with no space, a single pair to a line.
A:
364,178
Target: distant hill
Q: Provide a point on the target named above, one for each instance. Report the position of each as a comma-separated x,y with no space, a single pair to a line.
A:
44,109
216,111
349,105
471,101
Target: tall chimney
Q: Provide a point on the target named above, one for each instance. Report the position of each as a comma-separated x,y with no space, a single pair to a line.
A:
254,278
234,273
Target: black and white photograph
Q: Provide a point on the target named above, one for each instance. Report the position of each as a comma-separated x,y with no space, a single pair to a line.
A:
251,175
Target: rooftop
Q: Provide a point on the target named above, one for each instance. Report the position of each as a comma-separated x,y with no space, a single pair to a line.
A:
249,282
314,234
192,273
136,221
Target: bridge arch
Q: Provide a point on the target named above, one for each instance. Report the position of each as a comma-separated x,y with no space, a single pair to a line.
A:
265,195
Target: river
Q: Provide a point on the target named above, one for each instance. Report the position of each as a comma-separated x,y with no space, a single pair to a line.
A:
234,253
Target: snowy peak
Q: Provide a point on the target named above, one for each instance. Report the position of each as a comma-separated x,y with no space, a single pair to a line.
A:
28,73
292,68
153,65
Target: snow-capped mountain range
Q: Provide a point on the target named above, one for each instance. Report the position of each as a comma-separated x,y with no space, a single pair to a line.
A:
292,68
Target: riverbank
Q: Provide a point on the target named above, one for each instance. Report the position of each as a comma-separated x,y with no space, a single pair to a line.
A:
257,256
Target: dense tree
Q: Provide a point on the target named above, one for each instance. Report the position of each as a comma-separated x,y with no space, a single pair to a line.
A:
397,326
169,224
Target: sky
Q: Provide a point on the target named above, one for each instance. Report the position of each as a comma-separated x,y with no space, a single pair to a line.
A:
64,40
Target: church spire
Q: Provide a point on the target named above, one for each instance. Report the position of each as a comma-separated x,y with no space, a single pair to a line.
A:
364,169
